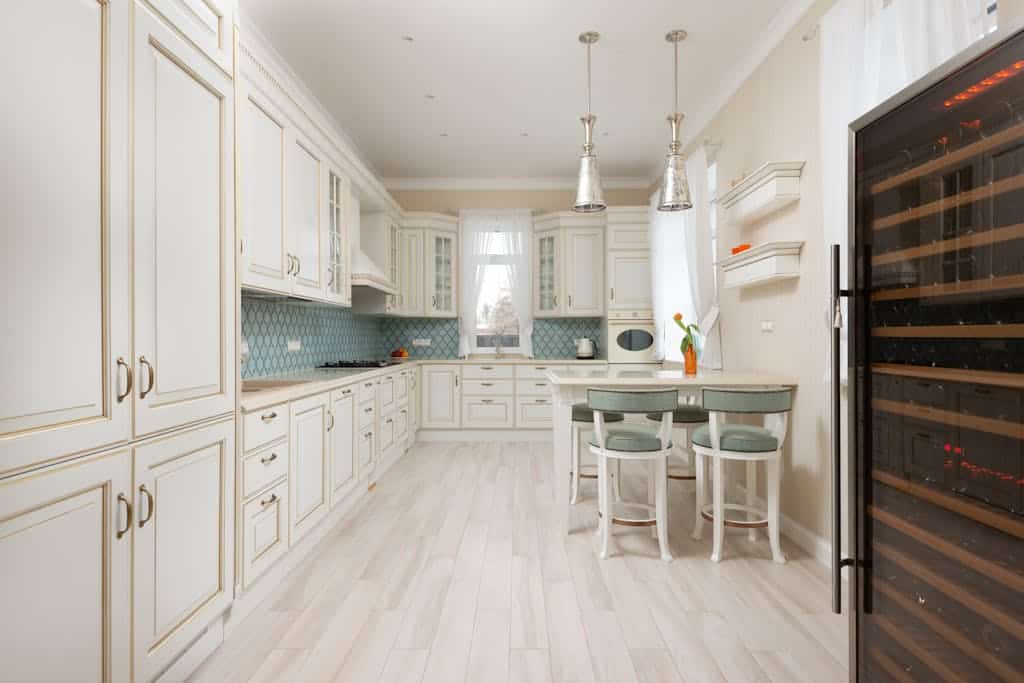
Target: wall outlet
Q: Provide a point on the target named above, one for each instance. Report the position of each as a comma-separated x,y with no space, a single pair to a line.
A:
294,345
767,326
421,342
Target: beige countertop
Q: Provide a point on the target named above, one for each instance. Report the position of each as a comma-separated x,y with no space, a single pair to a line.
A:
625,377
259,393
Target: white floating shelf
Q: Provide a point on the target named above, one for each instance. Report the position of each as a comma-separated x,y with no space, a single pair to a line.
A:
763,192
762,264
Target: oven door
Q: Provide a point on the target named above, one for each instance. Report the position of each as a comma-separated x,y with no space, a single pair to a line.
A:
631,341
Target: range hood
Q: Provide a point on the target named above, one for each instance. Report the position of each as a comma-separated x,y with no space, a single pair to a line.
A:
366,273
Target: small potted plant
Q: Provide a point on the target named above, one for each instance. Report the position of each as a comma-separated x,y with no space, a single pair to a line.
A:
689,344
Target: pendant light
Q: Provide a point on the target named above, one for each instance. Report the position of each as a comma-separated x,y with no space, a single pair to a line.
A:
589,193
675,189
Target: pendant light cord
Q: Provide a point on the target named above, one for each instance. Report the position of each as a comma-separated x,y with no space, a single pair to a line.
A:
588,78
675,47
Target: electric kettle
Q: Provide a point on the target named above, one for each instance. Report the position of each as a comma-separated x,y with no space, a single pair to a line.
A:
585,348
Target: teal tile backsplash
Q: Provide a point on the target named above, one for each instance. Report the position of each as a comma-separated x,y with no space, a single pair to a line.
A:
330,333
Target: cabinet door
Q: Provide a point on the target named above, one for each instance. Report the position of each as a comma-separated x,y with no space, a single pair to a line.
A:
394,303
442,267
66,591
414,402
342,444
410,271
584,272
305,166
207,23
547,255
184,228
184,554
338,284
629,280
64,260
261,153
309,484
441,397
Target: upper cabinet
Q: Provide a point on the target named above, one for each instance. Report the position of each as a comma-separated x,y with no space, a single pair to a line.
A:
183,231
410,272
65,354
629,259
442,274
568,263
206,24
305,166
338,254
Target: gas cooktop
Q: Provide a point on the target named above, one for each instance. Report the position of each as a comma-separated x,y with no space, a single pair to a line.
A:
355,364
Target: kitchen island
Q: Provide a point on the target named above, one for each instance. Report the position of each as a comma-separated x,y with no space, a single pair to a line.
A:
570,386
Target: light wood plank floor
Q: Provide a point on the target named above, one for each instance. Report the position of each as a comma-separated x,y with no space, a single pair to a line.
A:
457,567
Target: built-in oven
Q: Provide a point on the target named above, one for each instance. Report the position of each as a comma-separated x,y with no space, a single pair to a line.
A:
631,337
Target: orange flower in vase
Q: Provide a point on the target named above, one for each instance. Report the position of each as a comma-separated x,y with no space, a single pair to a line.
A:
689,344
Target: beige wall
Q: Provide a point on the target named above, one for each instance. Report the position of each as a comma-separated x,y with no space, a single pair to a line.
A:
774,117
542,201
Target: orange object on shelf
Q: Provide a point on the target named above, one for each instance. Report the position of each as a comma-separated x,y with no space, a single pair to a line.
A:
740,247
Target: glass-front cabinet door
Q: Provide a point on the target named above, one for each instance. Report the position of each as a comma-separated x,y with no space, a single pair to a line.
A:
546,271
441,278
337,252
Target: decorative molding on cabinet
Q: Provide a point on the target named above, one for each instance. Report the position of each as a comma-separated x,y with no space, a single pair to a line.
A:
761,264
763,192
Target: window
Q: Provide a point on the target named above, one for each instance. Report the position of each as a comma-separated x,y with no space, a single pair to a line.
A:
713,215
495,307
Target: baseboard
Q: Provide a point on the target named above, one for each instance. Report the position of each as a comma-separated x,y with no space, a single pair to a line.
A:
814,545
435,435
195,654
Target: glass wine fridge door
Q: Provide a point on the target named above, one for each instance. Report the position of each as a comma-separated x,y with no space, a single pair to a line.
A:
939,369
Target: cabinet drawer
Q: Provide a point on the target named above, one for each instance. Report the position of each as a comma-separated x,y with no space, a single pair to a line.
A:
533,387
263,467
265,531
488,387
534,413
488,371
480,413
364,414
263,426
402,387
364,444
366,390
538,371
387,433
386,393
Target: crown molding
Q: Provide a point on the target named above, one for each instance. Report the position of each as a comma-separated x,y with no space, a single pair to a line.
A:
777,29
498,184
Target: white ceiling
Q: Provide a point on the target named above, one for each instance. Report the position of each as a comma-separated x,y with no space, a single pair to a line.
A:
498,70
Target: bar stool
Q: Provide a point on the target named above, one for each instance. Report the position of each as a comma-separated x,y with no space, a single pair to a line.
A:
632,442
583,419
751,444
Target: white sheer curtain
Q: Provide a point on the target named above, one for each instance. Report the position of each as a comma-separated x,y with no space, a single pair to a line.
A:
495,238
869,50
682,269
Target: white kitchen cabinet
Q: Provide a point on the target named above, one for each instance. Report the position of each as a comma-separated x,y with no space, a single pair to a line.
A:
410,272
629,280
183,566
547,273
584,272
441,274
414,402
64,264
264,531
305,168
343,456
365,447
206,23
308,473
65,544
442,401
496,412
338,285
386,395
184,228
534,412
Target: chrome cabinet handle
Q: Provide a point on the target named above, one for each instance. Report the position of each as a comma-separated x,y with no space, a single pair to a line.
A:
269,459
129,379
150,506
121,498
330,277
487,384
268,417
152,377
541,400
540,384
291,264
298,265
540,367
330,426
267,501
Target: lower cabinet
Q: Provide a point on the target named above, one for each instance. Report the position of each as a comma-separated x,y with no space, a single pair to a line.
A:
342,444
488,413
65,549
365,445
309,489
265,530
534,413
441,402
183,567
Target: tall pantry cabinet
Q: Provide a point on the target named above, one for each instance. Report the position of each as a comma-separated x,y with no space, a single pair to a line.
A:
118,347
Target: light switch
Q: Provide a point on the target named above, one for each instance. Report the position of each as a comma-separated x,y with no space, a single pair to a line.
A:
421,342
767,325
294,345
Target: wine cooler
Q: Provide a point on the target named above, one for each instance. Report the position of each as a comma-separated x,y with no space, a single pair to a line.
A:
936,376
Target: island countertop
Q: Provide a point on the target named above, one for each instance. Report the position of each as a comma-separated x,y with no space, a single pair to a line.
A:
623,376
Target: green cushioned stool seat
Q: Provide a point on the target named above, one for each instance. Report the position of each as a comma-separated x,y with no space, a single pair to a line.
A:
581,412
742,438
630,438
684,414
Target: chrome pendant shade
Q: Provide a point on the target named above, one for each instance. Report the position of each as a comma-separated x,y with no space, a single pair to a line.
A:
675,188
589,192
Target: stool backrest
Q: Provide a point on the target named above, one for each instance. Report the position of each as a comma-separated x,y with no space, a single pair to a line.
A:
606,400
757,401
